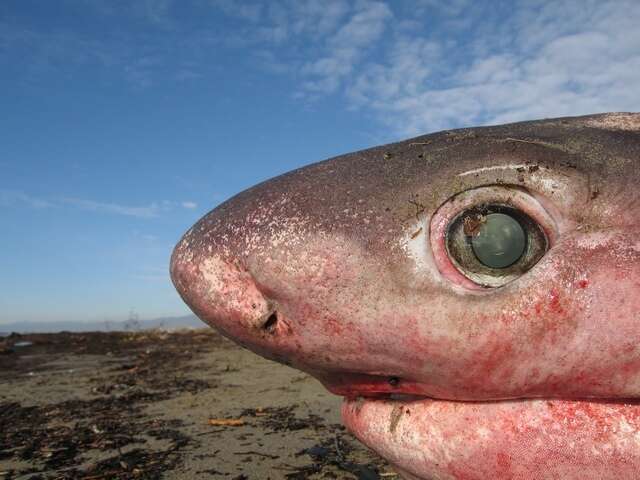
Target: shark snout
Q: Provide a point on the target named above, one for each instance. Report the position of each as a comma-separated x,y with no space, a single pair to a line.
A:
221,292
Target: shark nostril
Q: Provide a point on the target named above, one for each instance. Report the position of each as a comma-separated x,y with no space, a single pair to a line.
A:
270,324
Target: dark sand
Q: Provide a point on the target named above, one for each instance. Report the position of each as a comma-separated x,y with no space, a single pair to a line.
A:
186,405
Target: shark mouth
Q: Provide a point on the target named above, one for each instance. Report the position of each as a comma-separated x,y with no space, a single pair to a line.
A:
532,438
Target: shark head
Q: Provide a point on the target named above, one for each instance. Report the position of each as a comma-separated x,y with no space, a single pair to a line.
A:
465,291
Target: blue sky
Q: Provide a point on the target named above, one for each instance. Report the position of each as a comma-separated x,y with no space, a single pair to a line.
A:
124,122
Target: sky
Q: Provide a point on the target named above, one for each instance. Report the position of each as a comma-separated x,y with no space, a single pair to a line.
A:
123,122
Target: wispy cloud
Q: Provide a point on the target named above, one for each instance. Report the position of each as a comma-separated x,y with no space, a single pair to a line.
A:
156,11
189,205
415,65
345,49
320,43
153,274
14,197
147,237
449,8
426,65
148,211
245,11
566,58
563,58
142,57
153,277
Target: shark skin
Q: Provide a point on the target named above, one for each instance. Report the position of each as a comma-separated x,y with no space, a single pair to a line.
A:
343,269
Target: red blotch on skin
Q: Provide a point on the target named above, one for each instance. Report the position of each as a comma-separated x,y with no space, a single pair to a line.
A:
554,302
334,327
631,367
552,317
504,462
574,416
583,283
458,474
496,357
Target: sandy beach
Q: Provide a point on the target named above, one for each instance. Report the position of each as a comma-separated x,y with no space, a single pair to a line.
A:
179,405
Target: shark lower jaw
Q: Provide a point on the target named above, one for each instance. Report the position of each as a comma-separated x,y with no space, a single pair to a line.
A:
426,438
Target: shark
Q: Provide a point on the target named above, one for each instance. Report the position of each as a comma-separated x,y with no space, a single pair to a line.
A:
473,294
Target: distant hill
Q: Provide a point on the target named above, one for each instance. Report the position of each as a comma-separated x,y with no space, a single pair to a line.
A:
185,321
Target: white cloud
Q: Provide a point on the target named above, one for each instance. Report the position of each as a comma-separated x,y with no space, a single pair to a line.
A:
317,18
149,211
321,43
416,65
346,48
153,277
9,198
155,11
153,274
565,58
12,197
165,49
449,7
147,237
297,18
425,65
245,11
410,64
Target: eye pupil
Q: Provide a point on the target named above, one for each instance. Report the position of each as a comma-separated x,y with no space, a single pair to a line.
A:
498,241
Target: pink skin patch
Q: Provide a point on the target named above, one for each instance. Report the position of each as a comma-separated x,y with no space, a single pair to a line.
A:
515,440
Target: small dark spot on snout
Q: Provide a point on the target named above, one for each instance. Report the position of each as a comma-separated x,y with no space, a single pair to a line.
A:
394,381
270,324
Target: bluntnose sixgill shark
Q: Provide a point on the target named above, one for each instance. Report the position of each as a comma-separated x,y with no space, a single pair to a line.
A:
473,294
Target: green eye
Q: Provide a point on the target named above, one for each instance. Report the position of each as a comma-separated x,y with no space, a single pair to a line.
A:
499,242
494,244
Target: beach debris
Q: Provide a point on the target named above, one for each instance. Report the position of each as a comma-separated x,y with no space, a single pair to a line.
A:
51,439
226,422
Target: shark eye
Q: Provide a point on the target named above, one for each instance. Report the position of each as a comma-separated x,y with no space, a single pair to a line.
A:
493,244
488,236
